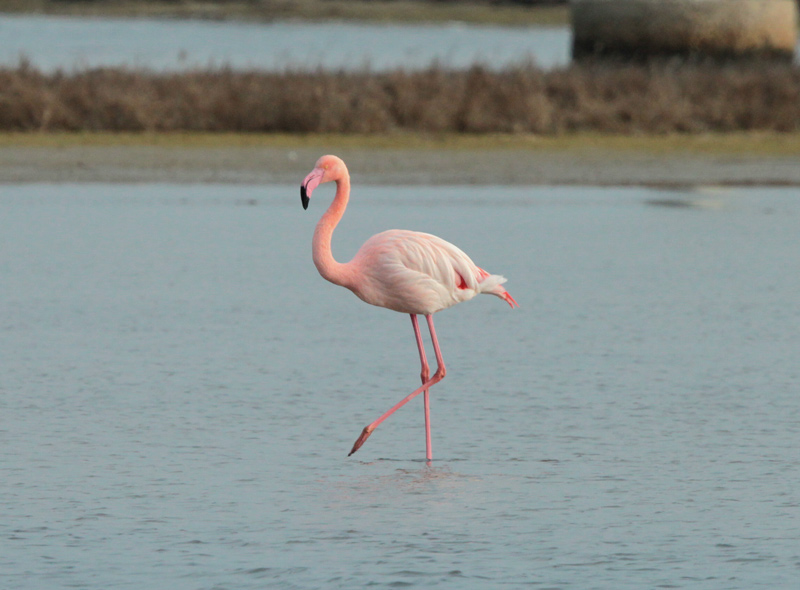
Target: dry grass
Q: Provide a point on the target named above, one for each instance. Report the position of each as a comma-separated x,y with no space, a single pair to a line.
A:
590,98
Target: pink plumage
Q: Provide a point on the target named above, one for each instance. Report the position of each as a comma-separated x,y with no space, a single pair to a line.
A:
406,271
414,272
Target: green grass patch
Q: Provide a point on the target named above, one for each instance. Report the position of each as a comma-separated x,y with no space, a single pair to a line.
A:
753,143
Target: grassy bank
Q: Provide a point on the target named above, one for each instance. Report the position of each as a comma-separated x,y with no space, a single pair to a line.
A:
476,11
585,99
727,144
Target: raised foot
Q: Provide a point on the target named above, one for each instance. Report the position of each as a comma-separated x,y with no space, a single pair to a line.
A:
361,440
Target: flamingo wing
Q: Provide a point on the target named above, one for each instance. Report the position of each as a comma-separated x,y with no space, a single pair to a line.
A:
415,272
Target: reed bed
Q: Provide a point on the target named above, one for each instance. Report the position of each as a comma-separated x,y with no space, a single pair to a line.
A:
659,98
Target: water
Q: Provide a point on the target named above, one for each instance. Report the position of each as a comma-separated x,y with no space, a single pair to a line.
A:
179,390
57,42
53,43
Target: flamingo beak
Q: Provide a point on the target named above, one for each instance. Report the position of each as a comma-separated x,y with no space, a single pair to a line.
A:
310,182
303,196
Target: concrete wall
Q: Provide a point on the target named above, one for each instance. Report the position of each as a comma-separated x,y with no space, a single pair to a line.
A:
638,29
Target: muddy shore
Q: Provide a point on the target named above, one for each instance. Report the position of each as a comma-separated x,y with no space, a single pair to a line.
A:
270,165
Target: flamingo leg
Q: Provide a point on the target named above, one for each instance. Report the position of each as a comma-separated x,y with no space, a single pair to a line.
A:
425,374
441,371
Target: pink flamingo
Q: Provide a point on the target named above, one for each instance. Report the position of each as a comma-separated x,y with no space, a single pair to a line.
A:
407,271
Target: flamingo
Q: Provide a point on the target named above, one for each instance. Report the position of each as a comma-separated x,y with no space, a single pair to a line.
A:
405,271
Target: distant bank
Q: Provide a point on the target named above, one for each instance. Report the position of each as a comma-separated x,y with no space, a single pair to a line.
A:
508,12
671,161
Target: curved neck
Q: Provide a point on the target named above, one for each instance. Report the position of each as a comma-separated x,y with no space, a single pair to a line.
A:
321,244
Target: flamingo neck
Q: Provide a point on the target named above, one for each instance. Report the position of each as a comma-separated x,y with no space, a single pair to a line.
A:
331,270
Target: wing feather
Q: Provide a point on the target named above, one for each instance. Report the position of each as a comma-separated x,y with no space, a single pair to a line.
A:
415,272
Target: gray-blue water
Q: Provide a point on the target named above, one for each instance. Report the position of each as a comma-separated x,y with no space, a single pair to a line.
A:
179,390
58,42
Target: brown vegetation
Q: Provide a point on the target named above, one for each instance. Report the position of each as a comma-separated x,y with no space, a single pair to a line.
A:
606,98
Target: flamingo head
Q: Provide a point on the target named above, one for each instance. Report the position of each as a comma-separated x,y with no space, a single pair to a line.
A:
327,169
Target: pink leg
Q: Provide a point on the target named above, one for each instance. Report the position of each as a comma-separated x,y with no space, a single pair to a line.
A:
425,374
441,371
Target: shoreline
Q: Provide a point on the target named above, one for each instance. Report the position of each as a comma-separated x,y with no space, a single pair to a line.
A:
660,162
481,12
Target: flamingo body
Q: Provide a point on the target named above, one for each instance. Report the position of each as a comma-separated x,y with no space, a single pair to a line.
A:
405,271
414,272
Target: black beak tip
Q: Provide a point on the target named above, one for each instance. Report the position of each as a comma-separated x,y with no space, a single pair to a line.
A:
303,197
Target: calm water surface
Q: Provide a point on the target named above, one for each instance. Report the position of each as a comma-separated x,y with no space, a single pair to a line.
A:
53,43
179,390
58,42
